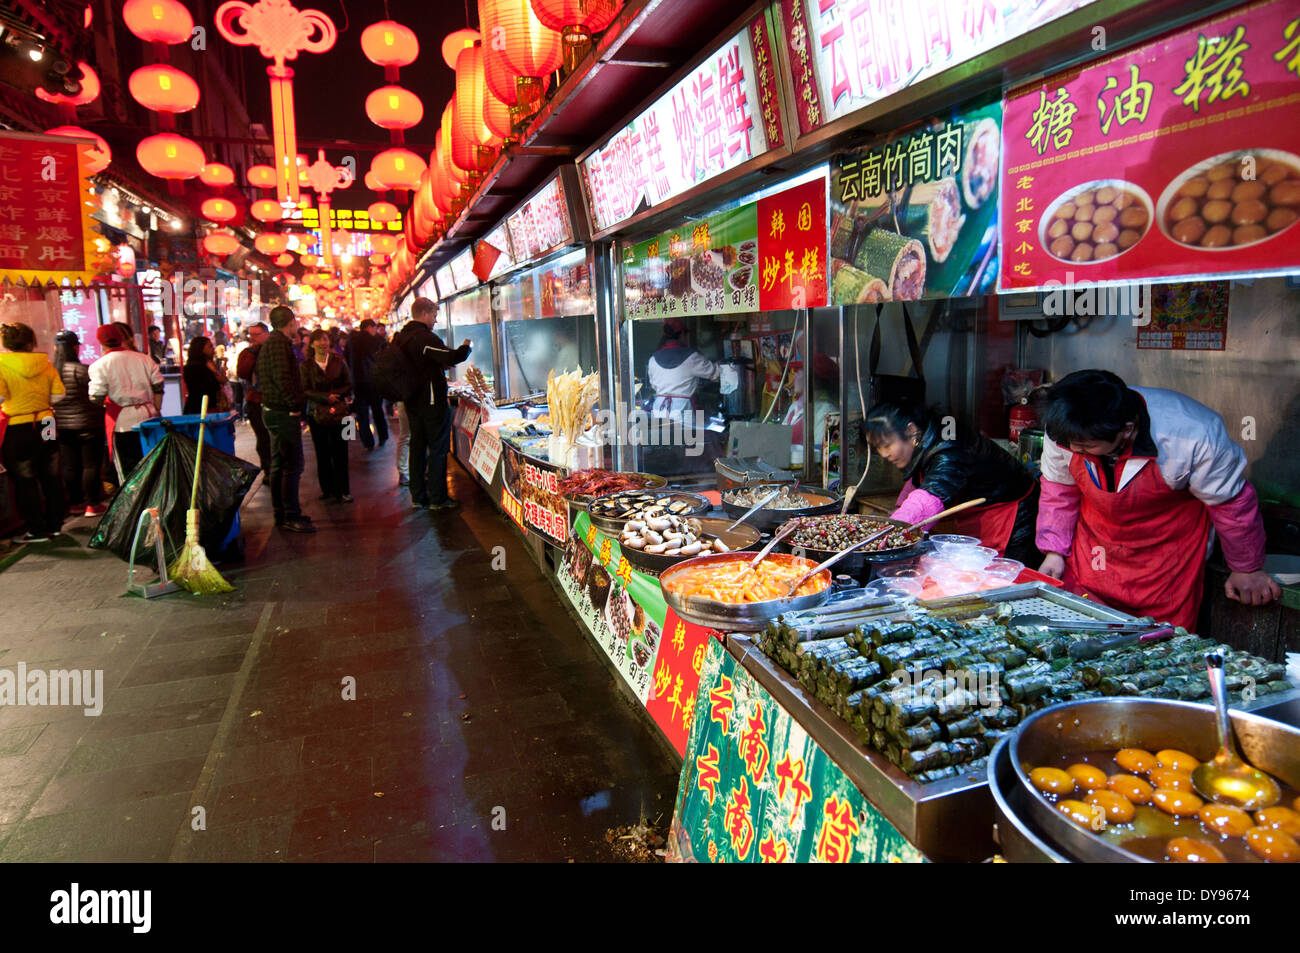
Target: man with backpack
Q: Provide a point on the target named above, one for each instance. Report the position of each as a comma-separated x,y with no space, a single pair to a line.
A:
425,396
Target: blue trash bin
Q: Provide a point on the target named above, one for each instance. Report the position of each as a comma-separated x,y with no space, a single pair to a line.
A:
218,432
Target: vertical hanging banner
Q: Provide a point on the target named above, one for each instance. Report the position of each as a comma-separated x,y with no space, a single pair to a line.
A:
1179,159
792,248
657,654
755,788
46,232
915,215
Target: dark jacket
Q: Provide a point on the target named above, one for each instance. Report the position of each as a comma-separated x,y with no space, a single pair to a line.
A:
200,380
973,466
319,385
430,356
277,374
361,350
73,410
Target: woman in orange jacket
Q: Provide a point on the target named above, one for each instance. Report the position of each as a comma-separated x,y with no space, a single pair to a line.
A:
30,448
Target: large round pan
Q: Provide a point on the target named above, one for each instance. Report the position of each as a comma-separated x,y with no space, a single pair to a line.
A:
741,538
1101,724
581,501
858,564
769,519
744,616
613,525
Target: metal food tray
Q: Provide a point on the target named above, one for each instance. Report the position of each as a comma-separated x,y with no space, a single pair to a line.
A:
1038,598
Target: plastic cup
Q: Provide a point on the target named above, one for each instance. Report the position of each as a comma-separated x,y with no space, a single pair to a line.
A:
954,540
973,557
909,587
1006,569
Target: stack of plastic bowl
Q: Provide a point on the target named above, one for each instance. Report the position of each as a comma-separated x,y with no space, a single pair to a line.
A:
959,564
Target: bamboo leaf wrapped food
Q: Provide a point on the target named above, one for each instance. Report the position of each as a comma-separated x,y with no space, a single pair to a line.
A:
1008,656
919,735
882,634
979,168
956,704
899,260
966,727
1027,686
965,750
851,285
909,709
938,755
937,774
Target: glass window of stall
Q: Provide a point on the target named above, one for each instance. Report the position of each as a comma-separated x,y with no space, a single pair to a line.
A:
470,319
548,322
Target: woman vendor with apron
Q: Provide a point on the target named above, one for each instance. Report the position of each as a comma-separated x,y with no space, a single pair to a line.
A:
943,472
1135,479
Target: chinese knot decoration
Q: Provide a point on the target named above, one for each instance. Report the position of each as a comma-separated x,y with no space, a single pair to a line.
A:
324,179
280,31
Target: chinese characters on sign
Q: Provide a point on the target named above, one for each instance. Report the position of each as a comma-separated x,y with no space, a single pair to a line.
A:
1177,159
44,232
486,452
847,54
792,248
541,225
724,113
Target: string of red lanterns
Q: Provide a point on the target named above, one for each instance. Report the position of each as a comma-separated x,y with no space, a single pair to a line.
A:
165,90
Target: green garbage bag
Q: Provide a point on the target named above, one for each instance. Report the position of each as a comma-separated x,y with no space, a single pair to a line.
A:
163,479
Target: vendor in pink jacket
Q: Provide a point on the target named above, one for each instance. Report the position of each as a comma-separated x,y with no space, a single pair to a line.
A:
1135,481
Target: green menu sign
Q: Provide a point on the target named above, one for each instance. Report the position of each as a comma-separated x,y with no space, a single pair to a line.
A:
756,788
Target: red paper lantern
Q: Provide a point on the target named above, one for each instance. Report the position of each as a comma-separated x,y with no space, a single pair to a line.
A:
455,170
383,212
271,243
373,184
163,89
158,21
388,43
218,209
384,244
392,107
170,156
261,176
531,49
496,114
398,169
474,140
266,210
90,89
378,259
220,243
576,20
501,79
284,261
309,260
217,175
97,157
455,42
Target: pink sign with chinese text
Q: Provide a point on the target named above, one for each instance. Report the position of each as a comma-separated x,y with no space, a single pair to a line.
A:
1179,159
723,114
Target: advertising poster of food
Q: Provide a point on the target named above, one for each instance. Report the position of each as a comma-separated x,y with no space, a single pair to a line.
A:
915,215
530,495
658,655
847,54
756,789
1187,317
759,256
486,452
1179,159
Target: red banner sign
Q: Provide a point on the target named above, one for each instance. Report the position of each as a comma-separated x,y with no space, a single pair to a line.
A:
1179,159
671,702
45,233
792,248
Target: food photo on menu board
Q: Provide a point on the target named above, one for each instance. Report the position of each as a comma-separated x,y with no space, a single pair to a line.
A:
915,215
1179,159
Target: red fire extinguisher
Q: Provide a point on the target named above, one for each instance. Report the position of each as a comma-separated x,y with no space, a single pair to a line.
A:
1022,416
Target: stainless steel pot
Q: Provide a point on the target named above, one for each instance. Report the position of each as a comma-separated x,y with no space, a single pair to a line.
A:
1148,723
741,616
767,519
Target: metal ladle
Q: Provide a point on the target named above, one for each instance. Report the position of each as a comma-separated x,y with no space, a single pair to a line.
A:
1226,778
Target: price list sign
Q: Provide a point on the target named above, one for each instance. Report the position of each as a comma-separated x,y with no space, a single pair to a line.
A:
1178,159
45,232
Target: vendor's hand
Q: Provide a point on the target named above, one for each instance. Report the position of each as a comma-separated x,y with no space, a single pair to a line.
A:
1053,565
1252,588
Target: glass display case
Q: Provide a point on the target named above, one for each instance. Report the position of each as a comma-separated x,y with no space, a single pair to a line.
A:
468,317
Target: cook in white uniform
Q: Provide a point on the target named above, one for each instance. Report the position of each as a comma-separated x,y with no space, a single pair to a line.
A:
675,371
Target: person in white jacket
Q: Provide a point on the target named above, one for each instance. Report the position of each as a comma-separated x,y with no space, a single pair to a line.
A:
675,371
1135,480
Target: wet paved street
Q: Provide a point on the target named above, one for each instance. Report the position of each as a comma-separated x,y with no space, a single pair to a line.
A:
477,698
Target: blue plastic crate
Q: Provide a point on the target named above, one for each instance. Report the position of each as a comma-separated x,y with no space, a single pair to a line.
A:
219,432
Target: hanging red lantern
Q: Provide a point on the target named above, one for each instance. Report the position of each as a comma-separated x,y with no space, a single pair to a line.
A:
496,114
577,22
530,49
271,243
373,184
309,260
392,107
97,157
90,89
261,176
284,261
378,259
453,43
474,141
217,175
398,169
158,21
266,210
220,243
459,173
164,89
384,244
388,43
170,156
218,210
383,212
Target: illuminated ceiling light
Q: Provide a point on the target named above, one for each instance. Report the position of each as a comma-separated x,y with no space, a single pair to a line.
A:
36,53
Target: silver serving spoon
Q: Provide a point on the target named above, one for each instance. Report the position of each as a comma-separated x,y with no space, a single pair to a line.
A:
1226,778
756,507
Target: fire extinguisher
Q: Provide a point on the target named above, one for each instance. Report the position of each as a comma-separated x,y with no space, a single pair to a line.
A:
1021,417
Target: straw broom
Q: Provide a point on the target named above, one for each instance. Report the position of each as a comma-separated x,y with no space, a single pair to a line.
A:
191,568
